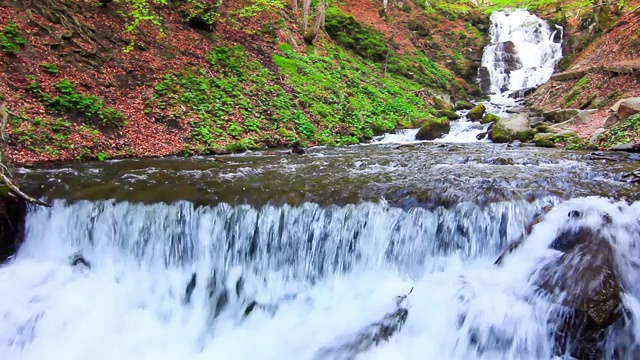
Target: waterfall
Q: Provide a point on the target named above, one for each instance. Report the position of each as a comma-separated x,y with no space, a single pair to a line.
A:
522,52
174,281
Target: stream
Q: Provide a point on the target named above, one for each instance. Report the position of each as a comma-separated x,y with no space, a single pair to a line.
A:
180,248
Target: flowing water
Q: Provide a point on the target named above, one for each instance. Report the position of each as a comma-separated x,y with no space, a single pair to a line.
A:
319,246
523,52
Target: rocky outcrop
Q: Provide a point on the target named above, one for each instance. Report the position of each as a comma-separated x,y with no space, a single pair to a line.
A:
515,126
12,216
433,129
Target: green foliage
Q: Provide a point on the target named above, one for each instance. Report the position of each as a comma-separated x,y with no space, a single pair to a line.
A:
575,92
626,132
258,6
101,156
139,12
50,68
10,39
349,33
68,100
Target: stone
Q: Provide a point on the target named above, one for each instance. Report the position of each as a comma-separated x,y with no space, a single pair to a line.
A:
484,80
544,140
477,112
500,134
560,115
596,134
613,119
449,114
583,117
463,105
433,129
12,222
507,54
616,106
489,118
630,147
482,135
628,107
536,121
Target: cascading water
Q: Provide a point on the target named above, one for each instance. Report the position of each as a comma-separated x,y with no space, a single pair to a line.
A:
318,274
522,54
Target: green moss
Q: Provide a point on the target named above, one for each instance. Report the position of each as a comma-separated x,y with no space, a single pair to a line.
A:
350,34
4,190
523,136
544,140
433,128
625,132
463,105
477,112
551,139
489,118
500,134
449,114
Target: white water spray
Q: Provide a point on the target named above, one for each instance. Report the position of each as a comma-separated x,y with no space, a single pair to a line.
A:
321,274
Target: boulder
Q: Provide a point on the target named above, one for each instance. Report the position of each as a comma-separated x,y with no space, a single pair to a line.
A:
544,140
433,129
463,105
477,112
449,114
628,107
500,134
489,118
585,280
506,54
517,122
616,106
583,117
536,121
630,147
560,115
613,119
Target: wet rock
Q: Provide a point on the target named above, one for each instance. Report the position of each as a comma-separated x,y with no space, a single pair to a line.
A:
482,135
500,134
628,107
490,118
632,177
584,279
517,122
515,144
297,150
477,112
12,217
550,140
507,54
433,129
499,161
77,260
484,80
626,147
522,93
189,289
560,115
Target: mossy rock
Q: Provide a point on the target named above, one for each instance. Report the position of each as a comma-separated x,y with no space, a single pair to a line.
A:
545,129
500,134
477,112
449,114
523,136
433,129
463,105
489,118
544,140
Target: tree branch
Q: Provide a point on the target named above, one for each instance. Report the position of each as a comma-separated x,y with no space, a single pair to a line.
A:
16,191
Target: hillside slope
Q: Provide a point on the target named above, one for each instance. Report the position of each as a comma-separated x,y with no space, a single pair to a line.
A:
82,82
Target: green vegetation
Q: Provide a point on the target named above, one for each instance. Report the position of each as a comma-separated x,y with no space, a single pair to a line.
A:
10,39
576,91
69,101
477,112
50,68
490,118
627,131
329,100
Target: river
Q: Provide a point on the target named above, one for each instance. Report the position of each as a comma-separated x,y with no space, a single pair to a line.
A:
318,246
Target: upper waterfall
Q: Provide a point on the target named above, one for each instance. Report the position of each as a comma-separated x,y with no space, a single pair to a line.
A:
522,52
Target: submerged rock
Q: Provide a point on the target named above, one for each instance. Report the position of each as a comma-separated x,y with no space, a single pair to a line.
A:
433,129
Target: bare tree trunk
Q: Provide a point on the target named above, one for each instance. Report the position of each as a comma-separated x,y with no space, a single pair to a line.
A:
294,7
306,6
385,3
319,18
